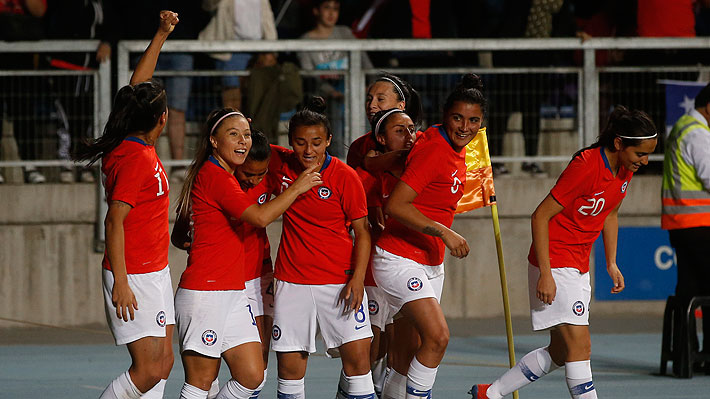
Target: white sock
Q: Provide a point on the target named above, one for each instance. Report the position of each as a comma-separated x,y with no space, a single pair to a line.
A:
342,392
234,390
579,380
395,386
156,392
214,389
121,388
420,380
379,372
291,389
192,392
360,386
531,367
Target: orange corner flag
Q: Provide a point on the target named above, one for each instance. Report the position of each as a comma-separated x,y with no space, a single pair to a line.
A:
478,189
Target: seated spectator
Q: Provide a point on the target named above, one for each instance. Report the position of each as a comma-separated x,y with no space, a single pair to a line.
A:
21,20
237,20
331,87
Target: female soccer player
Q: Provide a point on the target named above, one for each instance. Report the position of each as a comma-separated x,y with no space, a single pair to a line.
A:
584,202
258,273
319,272
408,259
214,317
394,130
387,92
136,276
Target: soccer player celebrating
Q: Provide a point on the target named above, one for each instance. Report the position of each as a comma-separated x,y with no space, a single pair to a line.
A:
408,260
136,276
319,271
584,202
214,317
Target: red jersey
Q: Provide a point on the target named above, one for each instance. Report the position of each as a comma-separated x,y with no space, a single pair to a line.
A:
437,174
359,148
316,246
133,173
588,191
216,260
377,190
257,251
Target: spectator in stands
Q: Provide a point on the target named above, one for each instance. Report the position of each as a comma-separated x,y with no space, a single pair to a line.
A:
332,87
78,20
20,20
237,20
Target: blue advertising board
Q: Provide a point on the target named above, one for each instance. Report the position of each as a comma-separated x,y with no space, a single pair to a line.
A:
647,261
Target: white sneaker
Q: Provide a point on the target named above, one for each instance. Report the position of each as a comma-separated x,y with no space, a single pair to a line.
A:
87,176
34,177
66,176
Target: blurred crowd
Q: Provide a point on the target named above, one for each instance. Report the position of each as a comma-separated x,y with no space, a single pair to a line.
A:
110,21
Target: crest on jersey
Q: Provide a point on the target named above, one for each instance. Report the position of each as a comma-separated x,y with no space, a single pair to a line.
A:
578,308
324,192
373,307
262,199
160,319
209,337
414,284
623,186
276,333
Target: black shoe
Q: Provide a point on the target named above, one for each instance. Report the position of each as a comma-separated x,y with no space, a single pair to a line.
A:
532,168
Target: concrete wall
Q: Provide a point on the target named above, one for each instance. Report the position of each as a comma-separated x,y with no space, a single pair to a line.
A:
50,274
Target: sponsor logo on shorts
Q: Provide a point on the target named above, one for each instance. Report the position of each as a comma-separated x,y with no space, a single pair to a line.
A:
578,308
209,337
414,284
359,327
324,192
373,306
623,186
276,333
262,199
160,319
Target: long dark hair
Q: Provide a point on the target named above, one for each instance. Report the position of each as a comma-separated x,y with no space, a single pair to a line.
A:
381,117
470,91
260,148
312,114
412,99
623,122
135,109
204,150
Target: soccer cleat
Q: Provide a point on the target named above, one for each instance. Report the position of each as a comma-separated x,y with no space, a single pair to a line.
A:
479,391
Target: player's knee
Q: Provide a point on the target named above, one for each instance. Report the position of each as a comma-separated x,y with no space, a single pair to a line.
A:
251,379
438,339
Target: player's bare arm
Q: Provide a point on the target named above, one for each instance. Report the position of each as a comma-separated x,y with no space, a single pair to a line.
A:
610,236
540,224
353,291
146,66
121,295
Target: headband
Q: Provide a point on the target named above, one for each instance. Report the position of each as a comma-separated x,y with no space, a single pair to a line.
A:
228,114
388,113
396,86
638,138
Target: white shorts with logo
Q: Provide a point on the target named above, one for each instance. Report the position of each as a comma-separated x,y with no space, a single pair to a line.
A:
301,309
154,295
571,304
260,294
404,280
381,312
212,322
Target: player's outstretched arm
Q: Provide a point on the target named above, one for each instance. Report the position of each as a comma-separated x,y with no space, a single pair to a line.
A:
401,207
610,233
146,66
262,215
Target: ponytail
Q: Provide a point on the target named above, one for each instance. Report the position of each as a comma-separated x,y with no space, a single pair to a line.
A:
469,90
312,114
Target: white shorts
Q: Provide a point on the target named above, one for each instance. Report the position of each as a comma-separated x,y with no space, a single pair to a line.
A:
381,312
571,304
299,309
404,280
260,294
154,295
212,322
